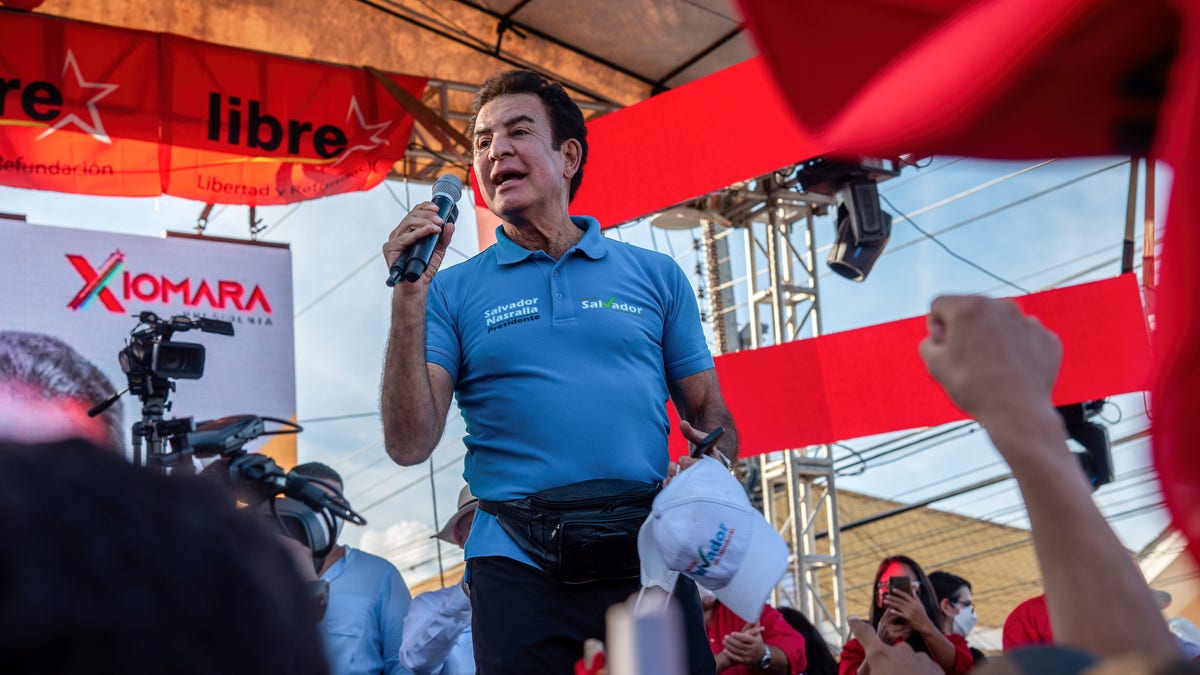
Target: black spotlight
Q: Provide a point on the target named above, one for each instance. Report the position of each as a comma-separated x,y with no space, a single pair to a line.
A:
1096,458
863,230
863,227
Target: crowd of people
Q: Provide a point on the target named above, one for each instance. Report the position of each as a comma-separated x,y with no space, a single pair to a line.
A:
113,569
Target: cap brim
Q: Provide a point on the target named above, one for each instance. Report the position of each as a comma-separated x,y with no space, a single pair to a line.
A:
765,564
654,567
446,534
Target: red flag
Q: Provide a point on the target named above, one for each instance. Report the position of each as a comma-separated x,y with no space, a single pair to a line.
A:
100,110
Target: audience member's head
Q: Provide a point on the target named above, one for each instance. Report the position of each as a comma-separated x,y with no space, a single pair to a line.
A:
1028,624
821,660
331,478
954,599
458,528
111,568
46,388
903,566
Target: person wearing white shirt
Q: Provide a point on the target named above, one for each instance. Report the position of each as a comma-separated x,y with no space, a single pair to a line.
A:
437,630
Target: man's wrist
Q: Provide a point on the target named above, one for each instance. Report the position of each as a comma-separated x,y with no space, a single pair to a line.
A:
764,661
721,457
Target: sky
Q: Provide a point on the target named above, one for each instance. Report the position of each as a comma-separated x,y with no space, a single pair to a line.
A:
1034,224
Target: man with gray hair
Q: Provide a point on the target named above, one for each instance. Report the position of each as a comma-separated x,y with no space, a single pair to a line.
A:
46,388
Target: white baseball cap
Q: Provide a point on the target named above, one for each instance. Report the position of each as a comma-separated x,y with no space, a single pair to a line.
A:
703,525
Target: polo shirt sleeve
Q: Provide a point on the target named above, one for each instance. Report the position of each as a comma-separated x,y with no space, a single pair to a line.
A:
685,351
964,661
441,338
778,633
852,657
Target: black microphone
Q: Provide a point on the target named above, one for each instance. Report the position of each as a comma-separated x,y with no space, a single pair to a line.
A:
446,193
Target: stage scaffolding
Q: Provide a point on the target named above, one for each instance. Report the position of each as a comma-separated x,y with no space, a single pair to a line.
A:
762,290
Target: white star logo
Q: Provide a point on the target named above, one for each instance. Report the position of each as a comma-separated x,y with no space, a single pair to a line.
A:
375,138
96,128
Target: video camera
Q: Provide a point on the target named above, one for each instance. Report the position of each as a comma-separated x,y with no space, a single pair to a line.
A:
310,508
151,358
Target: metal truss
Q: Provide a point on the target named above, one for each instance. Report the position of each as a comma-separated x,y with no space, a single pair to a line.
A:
780,301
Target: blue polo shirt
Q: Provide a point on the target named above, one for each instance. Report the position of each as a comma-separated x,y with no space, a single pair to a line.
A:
561,366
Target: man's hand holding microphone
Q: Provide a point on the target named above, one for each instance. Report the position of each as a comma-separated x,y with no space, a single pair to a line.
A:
416,248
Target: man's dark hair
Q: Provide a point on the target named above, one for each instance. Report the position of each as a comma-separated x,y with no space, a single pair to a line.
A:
947,585
52,369
109,568
820,659
566,120
319,471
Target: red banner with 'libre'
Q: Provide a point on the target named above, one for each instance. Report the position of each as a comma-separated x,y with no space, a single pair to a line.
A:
100,110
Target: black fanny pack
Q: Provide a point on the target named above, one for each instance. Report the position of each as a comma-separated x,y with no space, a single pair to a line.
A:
580,532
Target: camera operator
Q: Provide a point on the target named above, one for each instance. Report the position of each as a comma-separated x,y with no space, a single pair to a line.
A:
368,600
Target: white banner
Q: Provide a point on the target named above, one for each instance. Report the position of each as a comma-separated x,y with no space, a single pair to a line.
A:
86,287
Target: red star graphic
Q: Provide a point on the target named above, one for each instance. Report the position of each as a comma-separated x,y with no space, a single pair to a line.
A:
376,129
102,89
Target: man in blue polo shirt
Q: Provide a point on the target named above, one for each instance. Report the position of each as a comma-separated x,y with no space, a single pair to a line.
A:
562,347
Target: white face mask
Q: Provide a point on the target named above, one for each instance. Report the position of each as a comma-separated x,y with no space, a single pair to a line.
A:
964,621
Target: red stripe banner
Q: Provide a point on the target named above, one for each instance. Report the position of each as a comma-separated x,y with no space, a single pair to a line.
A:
687,142
871,380
99,110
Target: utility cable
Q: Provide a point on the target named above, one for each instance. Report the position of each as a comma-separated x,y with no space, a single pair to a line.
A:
947,248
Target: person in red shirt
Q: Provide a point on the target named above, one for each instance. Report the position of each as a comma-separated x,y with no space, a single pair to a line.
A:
914,618
1028,624
769,645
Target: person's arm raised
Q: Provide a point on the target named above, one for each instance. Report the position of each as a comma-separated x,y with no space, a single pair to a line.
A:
999,367
414,395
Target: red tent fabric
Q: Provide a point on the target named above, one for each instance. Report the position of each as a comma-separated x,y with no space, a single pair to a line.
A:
1022,78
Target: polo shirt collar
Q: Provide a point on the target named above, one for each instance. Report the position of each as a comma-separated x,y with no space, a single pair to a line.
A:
591,244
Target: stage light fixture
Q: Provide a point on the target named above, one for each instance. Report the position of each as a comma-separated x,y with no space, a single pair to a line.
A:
1096,458
863,228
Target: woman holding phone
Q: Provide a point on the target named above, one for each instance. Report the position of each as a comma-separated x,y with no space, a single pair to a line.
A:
904,609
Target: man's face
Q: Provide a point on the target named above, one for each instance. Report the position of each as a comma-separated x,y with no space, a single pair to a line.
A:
519,171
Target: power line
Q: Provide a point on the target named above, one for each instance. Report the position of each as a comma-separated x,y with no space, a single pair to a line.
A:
282,218
1005,206
1017,509
356,453
991,212
362,266
892,185
386,479
947,248
409,486
335,418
